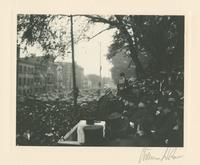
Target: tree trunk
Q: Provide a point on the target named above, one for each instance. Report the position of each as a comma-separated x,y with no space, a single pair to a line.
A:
119,25
139,68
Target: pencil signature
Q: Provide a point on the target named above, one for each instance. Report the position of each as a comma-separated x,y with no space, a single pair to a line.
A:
168,154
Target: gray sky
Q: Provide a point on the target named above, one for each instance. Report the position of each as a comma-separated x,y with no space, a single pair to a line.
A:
87,54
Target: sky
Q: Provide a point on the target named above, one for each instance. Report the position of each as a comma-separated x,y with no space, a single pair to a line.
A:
87,53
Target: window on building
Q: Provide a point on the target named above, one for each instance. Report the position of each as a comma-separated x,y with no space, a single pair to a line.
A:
20,69
24,81
20,81
24,69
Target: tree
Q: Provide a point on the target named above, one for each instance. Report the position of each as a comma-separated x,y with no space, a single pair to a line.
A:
161,37
50,32
120,22
122,63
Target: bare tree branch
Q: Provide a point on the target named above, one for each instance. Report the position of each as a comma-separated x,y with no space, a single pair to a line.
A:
102,20
89,38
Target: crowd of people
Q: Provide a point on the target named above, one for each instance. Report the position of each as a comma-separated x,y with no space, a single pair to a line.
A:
44,119
152,106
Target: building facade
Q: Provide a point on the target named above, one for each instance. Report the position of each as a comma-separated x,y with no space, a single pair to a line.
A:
34,75
40,74
67,79
25,78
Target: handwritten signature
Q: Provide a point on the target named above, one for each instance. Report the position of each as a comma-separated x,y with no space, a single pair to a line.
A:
168,154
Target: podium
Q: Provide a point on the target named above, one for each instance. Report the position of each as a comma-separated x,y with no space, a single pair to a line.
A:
84,134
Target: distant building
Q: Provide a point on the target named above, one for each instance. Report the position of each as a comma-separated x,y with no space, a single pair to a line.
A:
107,82
80,76
35,74
87,83
95,80
38,74
25,78
67,79
59,76
50,81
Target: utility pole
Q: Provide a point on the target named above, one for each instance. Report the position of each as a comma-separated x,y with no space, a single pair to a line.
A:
100,68
73,63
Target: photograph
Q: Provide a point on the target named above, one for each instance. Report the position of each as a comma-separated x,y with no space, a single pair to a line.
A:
100,80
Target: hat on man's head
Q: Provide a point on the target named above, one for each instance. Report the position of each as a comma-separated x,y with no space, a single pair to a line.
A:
141,105
171,99
122,74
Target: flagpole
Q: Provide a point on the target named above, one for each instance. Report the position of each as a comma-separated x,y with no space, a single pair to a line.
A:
100,67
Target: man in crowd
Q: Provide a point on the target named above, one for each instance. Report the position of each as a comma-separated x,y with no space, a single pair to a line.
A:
122,85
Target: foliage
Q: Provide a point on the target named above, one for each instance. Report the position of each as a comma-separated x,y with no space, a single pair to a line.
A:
122,63
161,37
50,32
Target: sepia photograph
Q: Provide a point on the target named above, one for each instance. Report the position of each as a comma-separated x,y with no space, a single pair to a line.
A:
100,80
